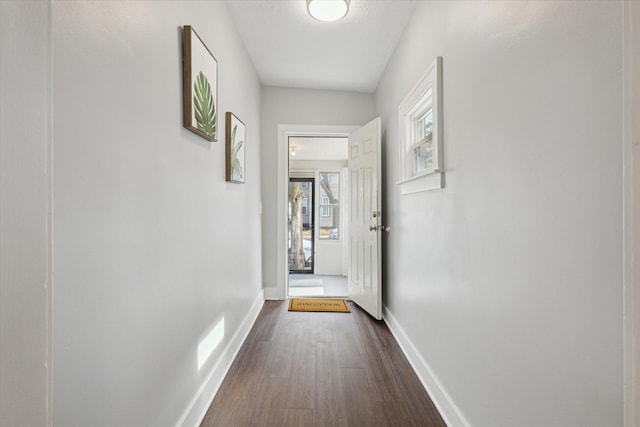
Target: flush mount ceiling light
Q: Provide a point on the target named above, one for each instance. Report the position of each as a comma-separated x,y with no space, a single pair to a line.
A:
328,10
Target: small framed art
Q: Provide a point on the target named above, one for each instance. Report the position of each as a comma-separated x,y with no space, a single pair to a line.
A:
236,148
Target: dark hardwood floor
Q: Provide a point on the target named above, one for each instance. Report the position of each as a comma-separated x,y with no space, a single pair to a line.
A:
320,369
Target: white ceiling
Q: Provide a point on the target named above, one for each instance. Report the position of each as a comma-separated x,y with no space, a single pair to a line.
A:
319,148
289,48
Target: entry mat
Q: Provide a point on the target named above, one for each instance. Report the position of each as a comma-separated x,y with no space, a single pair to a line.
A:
319,304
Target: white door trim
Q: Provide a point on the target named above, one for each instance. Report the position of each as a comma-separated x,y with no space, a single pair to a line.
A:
284,132
631,211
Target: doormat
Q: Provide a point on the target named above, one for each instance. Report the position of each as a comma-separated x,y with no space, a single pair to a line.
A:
319,304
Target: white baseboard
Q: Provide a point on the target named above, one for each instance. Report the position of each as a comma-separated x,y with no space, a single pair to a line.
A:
445,405
197,409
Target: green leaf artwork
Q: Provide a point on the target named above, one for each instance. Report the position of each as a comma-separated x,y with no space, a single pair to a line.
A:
205,108
236,166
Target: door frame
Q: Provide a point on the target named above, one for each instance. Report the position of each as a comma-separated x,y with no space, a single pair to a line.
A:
285,131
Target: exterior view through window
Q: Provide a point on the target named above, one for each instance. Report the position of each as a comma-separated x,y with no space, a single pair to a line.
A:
301,225
329,205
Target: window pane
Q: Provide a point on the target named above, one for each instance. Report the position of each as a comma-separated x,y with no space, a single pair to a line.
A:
425,125
423,156
329,205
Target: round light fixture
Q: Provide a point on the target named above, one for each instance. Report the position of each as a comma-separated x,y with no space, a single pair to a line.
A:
328,10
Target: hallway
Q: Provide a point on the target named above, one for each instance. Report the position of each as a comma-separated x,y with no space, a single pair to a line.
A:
317,369
132,269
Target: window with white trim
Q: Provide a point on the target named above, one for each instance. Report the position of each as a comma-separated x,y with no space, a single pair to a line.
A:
420,122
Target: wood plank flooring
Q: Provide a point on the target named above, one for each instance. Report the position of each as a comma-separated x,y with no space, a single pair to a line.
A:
320,369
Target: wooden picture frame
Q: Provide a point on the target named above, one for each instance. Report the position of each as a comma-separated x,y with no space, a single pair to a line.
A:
200,86
236,134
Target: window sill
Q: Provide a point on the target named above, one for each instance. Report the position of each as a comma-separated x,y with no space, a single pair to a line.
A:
424,182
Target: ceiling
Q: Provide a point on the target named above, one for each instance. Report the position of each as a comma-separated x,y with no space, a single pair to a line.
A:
289,48
319,148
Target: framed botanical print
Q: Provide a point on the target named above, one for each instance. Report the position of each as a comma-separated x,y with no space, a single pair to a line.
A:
200,86
236,148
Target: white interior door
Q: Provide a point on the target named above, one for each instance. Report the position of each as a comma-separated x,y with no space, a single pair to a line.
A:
365,226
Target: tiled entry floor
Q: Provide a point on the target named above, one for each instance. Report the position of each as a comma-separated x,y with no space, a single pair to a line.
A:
310,285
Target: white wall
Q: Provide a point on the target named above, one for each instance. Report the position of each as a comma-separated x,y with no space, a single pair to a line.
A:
25,215
508,282
297,107
153,249
632,212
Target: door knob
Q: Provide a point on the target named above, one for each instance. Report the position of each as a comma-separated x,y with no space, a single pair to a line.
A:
373,227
